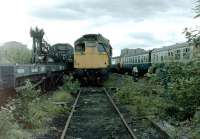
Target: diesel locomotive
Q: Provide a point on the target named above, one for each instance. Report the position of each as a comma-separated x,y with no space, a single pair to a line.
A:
92,59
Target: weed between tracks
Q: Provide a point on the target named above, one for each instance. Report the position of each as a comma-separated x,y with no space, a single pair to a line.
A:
31,115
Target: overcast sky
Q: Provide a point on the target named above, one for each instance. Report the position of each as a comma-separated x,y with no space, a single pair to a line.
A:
126,23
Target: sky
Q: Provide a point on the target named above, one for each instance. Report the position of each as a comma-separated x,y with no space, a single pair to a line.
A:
132,24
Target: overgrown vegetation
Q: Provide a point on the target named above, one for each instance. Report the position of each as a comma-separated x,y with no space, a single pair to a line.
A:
31,113
170,94
146,99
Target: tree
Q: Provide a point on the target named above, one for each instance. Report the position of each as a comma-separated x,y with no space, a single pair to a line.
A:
14,52
197,8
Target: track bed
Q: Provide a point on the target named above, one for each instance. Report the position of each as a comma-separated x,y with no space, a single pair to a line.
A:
95,118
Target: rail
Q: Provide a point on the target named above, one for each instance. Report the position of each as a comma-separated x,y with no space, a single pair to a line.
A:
70,116
120,115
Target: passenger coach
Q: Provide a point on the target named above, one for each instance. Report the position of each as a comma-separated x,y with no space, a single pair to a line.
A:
180,52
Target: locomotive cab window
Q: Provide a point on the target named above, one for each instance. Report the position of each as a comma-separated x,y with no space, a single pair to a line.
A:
80,47
101,48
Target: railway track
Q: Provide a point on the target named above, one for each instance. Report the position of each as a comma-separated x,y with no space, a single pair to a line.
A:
95,115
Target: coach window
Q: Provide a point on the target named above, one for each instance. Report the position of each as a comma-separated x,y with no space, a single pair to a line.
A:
141,59
162,58
154,57
169,54
138,59
186,53
178,54
80,47
145,59
187,50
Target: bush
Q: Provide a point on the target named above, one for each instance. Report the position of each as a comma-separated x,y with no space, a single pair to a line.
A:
71,85
9,129
22,101
36,112
181,82
42,111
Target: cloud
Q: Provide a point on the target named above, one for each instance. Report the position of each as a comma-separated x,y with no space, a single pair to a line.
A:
136,10
146,37
126,23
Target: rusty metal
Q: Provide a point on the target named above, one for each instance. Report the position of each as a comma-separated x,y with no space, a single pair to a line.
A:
18,89
121,116
70,116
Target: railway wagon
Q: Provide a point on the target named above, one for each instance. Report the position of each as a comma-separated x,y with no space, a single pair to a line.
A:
92,58
14,75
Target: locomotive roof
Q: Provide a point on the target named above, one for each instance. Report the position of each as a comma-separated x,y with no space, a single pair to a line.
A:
175,46
62,46
92,37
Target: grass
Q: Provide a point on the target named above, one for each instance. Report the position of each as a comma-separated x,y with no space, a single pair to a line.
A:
143,96
61,95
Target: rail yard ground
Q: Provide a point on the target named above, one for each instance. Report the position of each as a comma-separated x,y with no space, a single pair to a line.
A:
5,94
97,116
167,100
